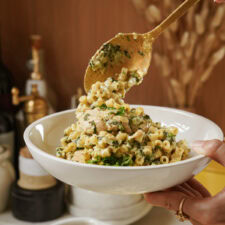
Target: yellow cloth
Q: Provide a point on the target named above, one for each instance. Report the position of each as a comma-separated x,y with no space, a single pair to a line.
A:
213,177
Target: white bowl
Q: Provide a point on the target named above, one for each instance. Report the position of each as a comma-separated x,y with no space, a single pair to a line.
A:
93,200
44,135
79,221
120,216
118,209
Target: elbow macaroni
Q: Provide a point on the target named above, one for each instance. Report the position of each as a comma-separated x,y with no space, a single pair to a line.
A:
109,132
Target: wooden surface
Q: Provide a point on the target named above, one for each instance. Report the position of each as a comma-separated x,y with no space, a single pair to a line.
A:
72,30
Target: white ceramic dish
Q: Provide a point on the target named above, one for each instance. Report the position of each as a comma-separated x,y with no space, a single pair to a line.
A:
112,209
120,216
93,200
44,135
79,221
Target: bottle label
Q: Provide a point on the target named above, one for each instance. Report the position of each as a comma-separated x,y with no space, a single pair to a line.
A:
31,167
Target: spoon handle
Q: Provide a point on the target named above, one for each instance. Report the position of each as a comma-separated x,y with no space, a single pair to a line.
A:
180,11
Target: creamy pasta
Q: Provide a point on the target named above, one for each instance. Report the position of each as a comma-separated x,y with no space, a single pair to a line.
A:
110,132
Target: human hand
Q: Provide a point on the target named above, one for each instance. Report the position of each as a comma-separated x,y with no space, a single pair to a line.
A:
199,206
219,1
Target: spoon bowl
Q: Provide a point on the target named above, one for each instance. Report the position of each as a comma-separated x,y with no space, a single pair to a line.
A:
135,54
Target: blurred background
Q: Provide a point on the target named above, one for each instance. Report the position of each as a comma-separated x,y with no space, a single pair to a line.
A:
45,47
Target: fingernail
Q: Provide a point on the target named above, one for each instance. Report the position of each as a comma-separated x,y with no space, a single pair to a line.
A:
197,146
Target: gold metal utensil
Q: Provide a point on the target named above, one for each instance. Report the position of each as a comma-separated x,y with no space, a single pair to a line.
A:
132,51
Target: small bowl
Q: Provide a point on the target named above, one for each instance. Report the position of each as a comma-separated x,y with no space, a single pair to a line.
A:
43,136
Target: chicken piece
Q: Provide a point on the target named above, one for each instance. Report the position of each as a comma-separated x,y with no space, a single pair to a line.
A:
86,122
81,156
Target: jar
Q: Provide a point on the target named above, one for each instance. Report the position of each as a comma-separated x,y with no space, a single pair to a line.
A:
7,176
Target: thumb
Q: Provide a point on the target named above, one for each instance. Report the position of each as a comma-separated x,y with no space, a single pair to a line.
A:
214,149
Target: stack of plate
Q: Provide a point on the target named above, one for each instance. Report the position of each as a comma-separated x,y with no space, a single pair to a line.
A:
113,209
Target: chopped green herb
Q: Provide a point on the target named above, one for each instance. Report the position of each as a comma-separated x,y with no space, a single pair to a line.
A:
126,53
94,125
146,117
58,149
103,106
135,75
108,56
127,161
156,162
86,116
111,160
158,147
115,144
149,159
169,136
111,108
141,53
120,111
128,38
115,122
94,161
68,140
121,127
80,148
118,161
110,51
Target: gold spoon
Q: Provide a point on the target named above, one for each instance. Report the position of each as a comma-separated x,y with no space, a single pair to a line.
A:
132,51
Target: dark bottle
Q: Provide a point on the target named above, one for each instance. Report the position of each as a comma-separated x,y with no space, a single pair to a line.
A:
7,123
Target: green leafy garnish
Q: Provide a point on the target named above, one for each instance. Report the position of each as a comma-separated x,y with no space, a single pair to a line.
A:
128,38
149,159
118,161
115,144
169,136
141,53
86,116
135,75
94,125
120,111
146,117
94,161
126,53
110,50
127,161
103,106
158,147
121,127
